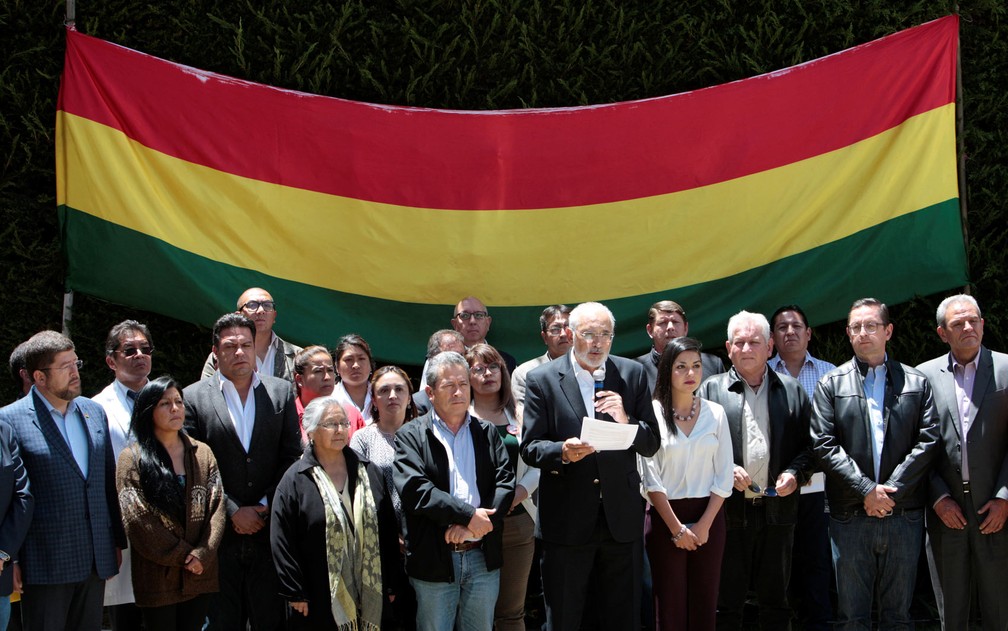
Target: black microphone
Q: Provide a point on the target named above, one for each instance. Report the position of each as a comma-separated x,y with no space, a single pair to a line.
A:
599,376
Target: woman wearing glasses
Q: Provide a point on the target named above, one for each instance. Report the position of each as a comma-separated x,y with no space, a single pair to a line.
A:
493,401
686,481
324,529
173,508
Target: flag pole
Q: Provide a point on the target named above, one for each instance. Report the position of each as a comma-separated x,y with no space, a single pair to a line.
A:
960,150
71,14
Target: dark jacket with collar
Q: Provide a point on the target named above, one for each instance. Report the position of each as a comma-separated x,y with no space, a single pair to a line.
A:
421,475
298,535
843,439
789,410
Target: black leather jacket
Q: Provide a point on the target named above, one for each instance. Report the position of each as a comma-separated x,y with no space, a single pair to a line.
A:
842,437
790,451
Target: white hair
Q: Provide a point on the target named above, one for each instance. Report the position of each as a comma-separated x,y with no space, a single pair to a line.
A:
743,318
316,410
586,308
439,362
951,300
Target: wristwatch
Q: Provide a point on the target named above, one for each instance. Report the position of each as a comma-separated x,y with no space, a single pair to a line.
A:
4,557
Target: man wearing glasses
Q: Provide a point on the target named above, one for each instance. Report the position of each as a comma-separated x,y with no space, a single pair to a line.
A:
128,352
667,321
558,340
591,513
875,432
472,320
76,538
274,356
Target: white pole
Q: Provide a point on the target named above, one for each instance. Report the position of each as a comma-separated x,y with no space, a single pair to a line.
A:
67,311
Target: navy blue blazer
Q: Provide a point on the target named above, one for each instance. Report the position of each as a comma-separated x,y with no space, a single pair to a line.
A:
77,525
16,502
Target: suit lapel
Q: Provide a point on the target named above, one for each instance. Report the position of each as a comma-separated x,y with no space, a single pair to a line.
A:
982,384
96,437
44,421
571,390
945,399
264,406
221,410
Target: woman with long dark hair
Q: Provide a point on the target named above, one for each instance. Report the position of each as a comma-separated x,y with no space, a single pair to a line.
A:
686,481
173,508
353,366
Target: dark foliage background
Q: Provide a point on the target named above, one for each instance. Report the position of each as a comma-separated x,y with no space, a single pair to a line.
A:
473,54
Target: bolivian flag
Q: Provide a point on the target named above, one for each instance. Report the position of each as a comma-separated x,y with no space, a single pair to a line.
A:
817,184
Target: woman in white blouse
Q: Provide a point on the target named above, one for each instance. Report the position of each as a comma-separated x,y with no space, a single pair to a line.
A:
686,482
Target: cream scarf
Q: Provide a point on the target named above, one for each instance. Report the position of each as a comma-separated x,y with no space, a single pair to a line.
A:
352,554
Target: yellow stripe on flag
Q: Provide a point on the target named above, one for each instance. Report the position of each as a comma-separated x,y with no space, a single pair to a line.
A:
509,257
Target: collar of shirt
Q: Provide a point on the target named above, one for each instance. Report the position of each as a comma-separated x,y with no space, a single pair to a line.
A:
953,362
71,407
863,366
123,393
224,380
586,384
778,365
758,391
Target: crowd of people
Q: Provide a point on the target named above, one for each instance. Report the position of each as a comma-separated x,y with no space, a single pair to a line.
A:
308,489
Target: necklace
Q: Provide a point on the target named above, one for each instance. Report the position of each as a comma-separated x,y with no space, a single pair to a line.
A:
693,411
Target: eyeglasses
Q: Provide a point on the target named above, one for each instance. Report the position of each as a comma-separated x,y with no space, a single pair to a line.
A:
481,370
133,352
465,316
556,330
253,305
867,327
591,336
335,426
77,364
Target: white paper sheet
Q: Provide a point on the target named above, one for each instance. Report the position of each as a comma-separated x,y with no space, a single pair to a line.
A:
607,436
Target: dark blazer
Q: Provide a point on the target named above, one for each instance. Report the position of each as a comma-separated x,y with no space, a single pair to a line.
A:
712,365
421,475
569,493
842,436
298,537
16,502
275,444
77,525
988,434
790,445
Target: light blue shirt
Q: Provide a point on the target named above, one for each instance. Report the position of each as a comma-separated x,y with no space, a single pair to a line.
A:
73,428
461,459
811,371
874,388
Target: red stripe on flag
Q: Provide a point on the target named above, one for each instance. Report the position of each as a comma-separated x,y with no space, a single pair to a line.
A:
515,159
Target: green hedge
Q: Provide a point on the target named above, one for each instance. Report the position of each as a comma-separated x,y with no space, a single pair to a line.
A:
489,54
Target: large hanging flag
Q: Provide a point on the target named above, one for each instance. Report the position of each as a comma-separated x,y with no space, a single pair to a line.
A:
817,184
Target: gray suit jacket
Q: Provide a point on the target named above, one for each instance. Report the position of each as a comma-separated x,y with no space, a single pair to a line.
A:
77,525
987,441
275,443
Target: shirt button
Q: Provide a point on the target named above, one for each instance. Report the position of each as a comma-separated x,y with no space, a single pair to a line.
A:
595,481
250,485
249,460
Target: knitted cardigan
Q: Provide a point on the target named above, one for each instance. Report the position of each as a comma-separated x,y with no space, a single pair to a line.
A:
158,543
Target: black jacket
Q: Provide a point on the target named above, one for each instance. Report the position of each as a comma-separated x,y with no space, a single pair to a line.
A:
790,449
842,437
298,537
421,475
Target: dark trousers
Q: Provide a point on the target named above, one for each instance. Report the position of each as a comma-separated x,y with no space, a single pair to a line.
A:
188,615
963,559
601,574
685,583
64,607
812,564
249,588
758,554
125,617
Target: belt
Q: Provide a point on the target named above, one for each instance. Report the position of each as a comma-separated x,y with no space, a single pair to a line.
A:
465,546
895,511
755,501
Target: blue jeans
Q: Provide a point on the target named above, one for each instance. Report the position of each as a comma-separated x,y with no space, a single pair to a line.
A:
868,550
466,604
4,612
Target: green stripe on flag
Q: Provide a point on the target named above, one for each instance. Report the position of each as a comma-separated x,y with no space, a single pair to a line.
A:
916,254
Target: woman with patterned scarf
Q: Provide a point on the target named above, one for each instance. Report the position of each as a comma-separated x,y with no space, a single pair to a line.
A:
324,530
